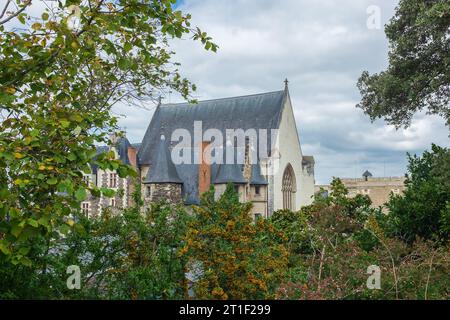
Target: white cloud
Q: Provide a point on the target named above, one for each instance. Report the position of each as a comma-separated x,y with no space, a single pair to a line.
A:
322,46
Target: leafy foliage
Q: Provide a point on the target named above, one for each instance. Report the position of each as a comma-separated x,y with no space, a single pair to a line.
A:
127,256
417,77
346,237
423,209
239,259
58,83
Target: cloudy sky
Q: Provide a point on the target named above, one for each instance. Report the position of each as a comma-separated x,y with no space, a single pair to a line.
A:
321,46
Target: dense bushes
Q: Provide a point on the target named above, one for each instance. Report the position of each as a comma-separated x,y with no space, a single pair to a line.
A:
341,237
127,256
240,259
216,251
424,209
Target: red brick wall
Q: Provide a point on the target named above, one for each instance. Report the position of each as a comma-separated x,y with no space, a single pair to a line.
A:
132,155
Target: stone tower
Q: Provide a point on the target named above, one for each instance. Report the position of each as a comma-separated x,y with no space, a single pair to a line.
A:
162,180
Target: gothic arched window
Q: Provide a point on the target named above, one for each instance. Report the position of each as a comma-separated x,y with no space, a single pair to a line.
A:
289,188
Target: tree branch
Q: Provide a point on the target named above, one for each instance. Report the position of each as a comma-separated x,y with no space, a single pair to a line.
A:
4,9
15,14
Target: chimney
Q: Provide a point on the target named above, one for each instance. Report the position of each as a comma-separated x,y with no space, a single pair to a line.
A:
204,170
132,156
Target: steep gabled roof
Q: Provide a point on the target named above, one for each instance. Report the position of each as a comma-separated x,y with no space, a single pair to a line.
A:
259,111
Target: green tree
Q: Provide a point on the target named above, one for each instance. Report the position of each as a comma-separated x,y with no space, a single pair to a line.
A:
345,237
238,258
423,209
417,77
126,256
294,226
58,83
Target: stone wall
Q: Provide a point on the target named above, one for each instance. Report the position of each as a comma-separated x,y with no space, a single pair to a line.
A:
290,153
171,192
122,197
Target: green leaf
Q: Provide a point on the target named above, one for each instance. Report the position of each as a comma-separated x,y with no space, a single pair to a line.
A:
43,221
107,192
4,248
33,223
72,157
36,26
16,230
95,192
64,229
25,261
80,194
127,47
24,250
21,18
77,130
76,117
64,123
123,64
52,181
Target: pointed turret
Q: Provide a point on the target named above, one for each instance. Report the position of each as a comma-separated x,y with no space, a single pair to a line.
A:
163,170
230,172
367,175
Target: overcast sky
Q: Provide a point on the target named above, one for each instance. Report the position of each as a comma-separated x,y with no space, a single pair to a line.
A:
321,46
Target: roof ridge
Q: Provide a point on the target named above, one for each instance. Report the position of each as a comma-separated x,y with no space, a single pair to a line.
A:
220,99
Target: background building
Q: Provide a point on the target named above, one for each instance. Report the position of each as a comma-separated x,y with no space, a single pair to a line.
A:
378,189
288,186
282,179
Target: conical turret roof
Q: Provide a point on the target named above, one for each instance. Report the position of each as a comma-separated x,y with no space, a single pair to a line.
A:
163,170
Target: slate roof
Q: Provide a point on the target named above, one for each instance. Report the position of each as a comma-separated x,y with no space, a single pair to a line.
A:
122,149
163,170
229,173
257,178
259,111
137,146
